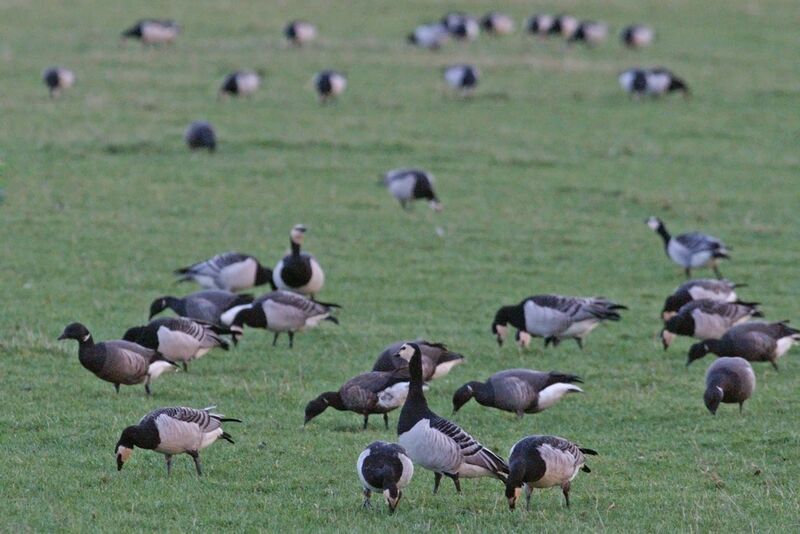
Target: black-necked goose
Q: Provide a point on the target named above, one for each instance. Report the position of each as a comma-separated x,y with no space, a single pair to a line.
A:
280,311
496,23
707,319
430,36
461,26
176,338
300,32
329,84
200,135
206,306
519,391
436,443
639,82
590,33
637,36
543,462
385,468
703,288
728,380
118,362
564,25
299,271
172,431
690,250
555,317
462,78
57,79
240,83
754,341
151,31
375,392
407,185
540,25
437,359
230,271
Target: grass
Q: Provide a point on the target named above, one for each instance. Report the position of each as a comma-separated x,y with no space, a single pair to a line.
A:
547,175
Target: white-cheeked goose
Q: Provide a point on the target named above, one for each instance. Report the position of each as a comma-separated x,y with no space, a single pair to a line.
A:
690,250
407,185
707,319
177,338
703,288
240,83
299,271
229,271
57,79
385,468
329,85
300,32
496,23
153,31
637,36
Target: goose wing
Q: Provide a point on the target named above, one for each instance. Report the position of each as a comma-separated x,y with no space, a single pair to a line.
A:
472,452
125,362
697,242
204,419
512,391
212,266
202,333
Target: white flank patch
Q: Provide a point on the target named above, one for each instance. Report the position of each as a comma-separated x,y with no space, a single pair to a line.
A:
394,396
156,369
443,368
228,317
552,394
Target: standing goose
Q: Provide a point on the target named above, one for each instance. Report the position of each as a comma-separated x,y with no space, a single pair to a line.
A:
703,288
543,462
230,271
300,32
200,135
370,393
176,338
707,319
280,311
329,85
462,78
637,36
437,360
430,36
564,25
205,306
57,79
172,431
240,83
590,33
299,271
496,23
118,362
729,380
639,82
754,341
434,442
540,25
461,27
385,468
690,250
151,31
518,391
407,185
554,317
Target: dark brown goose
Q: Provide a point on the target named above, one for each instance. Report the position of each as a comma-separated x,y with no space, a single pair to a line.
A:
707,319
754,341
729,380
437,359
206,306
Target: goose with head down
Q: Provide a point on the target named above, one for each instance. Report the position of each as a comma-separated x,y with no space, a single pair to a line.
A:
729,380
755,341
703,288
707,319
385,468
437,359
229,271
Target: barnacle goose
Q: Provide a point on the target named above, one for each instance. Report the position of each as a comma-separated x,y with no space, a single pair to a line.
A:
728,380
590,33
300,32
690,250
299,271
702,288
240,83
637,36
564,25
329,84
384,467
407,185
152,31
57,79
200,135
656,82
176,338
434,442
707,319
496,23
206,306
430,36
437,359
540,25
461,26
462,78
754,341
229,271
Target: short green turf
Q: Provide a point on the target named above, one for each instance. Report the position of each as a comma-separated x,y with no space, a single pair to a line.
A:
547,175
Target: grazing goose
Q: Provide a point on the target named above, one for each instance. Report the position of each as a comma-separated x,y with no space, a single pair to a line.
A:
437,360
300,32
204,306
434,442
176,338
554,317
200,134
754,341
153,31
299,271
496,23
590,33
280,311
230,271
690,250
540,25
461,26
637,36
564,25
376,392
430,36
543,462
172,431
384,467
707,319
462,78
329,85
240,83
407,185
728,380
58,79
703,288
519,391
639,82
118,362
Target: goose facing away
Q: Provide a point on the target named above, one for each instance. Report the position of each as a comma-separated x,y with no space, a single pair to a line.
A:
436,443
57,79
407,185
543,462
300,32
707,319
564,25
518,391
755,341
437,359
430,36
637,36
299,271
230,271
703,288
462,78
496,23
240,83
118,362
206,306
171,431
690,250
176,338
151,31
329,85
728,380
200,135
384,467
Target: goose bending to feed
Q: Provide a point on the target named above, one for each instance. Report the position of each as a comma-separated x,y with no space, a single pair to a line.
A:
57,79
728,380
690,250
540,25
437,359
229,271
637,36
329,85
384,468
590,33
703,288
407,185
299,271
543,462
300,32
118,362
171,431
200,135
639,82
152,31
280,311
755,341
496,23
240,83
555,317
564,25
176,338
462,78
519,391
436,443
206,306
376,392
707,319
430,36
461,27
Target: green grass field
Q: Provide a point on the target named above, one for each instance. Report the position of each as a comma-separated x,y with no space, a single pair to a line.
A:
547,176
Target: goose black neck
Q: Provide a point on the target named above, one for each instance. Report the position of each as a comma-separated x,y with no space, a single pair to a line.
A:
334,400
482,392
662,231
415,393
715,346
295,248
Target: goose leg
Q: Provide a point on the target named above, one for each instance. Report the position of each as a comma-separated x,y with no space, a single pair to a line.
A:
367,503
528,492
196,457
275,339
386,420
579,341
116,386
437,478
185,367
291,339
565,490
716,270
168,458
688,272
741,405
774,364
147,387
366,420
456,482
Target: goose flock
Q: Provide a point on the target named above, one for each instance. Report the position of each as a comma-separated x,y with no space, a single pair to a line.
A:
708,310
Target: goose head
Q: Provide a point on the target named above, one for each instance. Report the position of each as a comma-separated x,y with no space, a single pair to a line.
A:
132,334
321,403
512,494
712,398
667,338
158,305
408,351
654,223
393,496
697,351
298,233
462,396
77,332
124,447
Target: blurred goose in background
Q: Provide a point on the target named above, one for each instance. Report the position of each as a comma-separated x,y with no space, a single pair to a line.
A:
172,431
430,36
384,467
639,82
564,25
57,79
690,250
300,32
461,26
703,288
519,391
543,462
437,360
118,362
728,380
205,306
240,83
229,271
462,78
540,25
152,31
329,85
407,185
496,23
299,271
590,33
200,135
176,338
707,319
755,341
637,36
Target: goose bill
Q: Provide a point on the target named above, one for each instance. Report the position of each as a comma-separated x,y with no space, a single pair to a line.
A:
123,453
667,338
